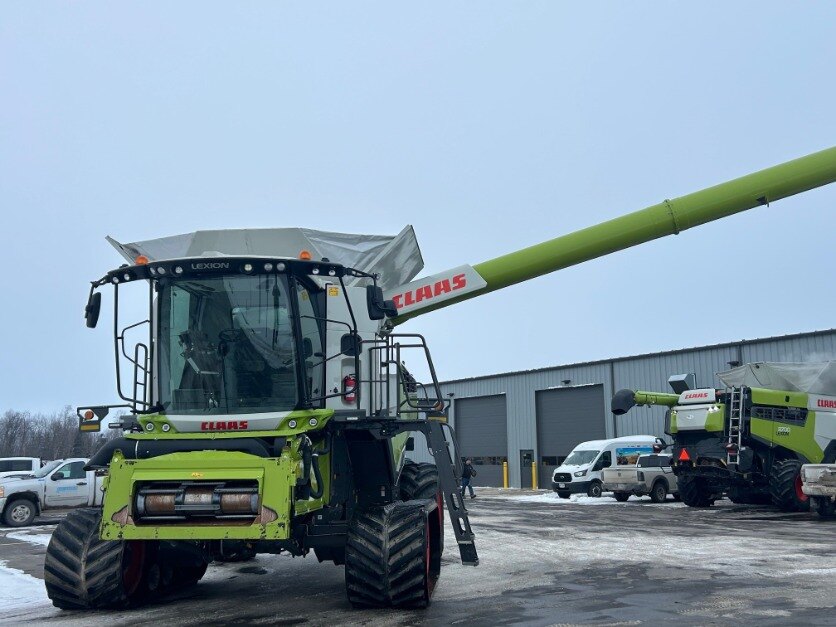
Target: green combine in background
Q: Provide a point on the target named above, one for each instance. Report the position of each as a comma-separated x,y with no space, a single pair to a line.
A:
270,409
750,439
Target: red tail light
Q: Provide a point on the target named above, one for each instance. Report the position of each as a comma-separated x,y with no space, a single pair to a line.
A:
683,456
349,389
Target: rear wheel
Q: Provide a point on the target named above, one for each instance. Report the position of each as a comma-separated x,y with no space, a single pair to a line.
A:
740,496
190,575
418,481
823,506
595,489
659,492
19,513
621,497
81,571
390,560
233,551
785,486
694,493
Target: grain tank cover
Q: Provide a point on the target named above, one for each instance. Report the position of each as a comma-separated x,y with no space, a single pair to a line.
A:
811,377
397,259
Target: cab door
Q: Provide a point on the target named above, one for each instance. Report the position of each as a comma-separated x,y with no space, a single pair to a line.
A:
67,486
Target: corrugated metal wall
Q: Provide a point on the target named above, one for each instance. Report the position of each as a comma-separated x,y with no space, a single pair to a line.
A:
648,372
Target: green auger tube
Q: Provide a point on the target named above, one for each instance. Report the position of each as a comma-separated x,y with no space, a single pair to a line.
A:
666,218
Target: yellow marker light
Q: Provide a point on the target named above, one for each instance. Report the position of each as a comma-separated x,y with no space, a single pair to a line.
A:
141,260
89,415
305,255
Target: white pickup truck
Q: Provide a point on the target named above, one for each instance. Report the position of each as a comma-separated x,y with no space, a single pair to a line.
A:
818,481
18,465
60,484
651,475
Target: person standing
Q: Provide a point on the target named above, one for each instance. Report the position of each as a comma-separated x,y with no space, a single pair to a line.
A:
468,472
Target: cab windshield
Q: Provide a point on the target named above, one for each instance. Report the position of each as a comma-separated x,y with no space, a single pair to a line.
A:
580,458
227,345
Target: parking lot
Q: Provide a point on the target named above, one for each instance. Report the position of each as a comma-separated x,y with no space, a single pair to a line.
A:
544,561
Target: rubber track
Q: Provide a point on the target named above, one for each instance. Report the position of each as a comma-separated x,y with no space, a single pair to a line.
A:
418,481
82,571
384,560
692,493
782,486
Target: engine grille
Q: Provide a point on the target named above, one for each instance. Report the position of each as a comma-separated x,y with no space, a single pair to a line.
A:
563,477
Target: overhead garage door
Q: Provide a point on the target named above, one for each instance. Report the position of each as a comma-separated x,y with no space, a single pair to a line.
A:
565,418
482,432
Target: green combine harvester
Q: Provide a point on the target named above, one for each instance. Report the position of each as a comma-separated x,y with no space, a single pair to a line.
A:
270,409
750,439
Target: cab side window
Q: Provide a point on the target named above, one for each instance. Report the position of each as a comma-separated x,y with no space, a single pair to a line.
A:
75,470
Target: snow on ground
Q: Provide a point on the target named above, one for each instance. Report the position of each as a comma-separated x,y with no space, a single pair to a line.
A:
581,499
19,590
41,539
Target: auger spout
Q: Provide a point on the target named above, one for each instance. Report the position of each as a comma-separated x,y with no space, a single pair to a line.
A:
666,218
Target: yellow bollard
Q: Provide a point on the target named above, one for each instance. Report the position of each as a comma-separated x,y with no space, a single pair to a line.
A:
533,475
505,474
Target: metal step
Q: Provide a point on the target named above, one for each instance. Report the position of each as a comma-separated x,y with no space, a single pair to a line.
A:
434,432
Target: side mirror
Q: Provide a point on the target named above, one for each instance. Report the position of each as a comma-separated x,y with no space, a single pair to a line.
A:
91,311
410,443
350,344
379,308
56,477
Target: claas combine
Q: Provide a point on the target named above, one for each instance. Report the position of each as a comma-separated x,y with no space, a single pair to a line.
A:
270,410
749,439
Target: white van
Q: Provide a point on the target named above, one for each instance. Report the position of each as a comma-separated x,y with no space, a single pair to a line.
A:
581,471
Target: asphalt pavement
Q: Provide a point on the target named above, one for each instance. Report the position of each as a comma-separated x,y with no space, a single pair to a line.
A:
544,561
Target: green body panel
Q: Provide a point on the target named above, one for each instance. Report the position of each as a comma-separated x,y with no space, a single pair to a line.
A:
399,447
666,218
302,418
276,479
778,398
796,438
712,421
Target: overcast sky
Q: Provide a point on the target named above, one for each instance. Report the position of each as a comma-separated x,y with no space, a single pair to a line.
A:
488,126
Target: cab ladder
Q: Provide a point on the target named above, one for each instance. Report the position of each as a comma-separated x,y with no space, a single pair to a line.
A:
737,398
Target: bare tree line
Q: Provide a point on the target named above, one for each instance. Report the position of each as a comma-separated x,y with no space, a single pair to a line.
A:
48,436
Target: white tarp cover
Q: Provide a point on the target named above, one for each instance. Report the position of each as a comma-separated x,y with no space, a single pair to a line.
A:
397,259
812,377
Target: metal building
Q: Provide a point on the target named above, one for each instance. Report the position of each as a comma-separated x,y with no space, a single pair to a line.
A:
540,415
